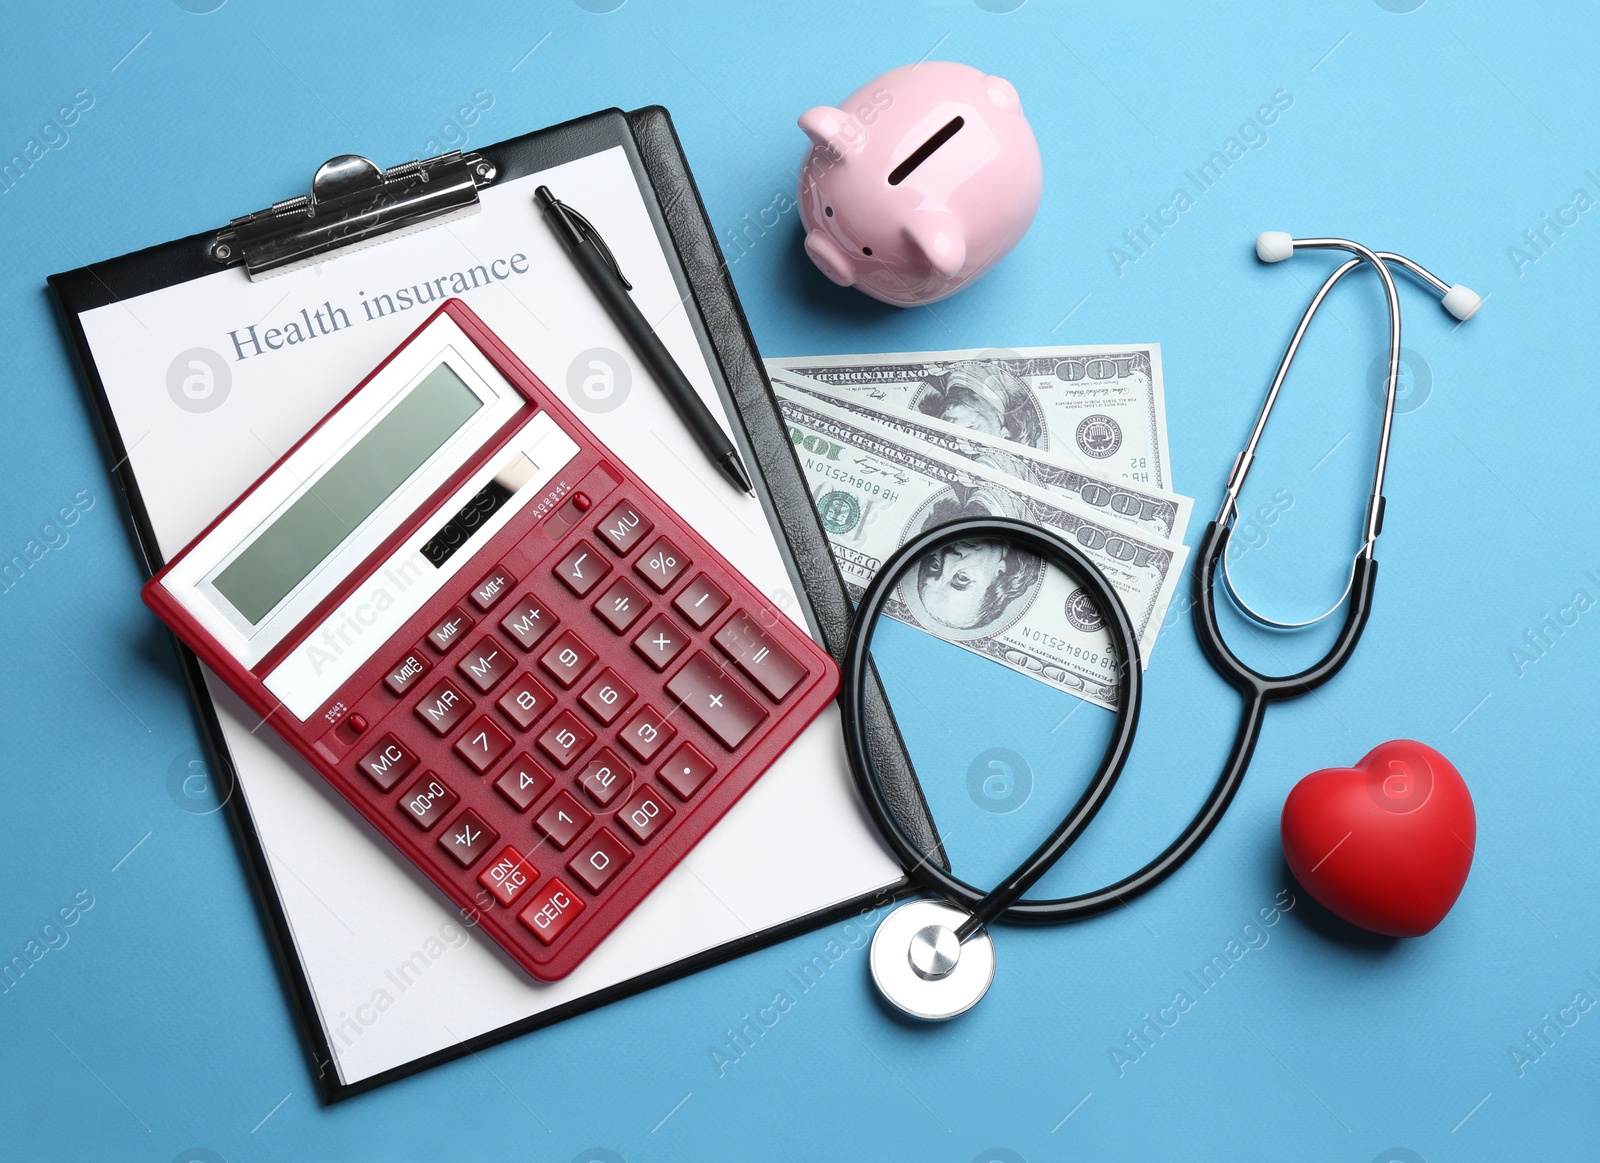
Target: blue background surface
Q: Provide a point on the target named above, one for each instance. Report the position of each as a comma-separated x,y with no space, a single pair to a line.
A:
1445,132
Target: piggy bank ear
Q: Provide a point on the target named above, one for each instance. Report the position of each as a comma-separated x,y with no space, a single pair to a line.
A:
831,260
833,130
1002,92
938,236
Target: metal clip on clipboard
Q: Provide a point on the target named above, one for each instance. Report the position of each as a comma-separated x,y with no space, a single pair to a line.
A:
352,203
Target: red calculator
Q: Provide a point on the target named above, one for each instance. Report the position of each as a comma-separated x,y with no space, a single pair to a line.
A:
530,674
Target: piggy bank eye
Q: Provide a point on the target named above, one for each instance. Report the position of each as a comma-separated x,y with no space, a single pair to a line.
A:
828,210
867,250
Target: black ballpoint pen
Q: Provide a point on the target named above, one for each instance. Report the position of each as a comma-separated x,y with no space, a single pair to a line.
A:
595,262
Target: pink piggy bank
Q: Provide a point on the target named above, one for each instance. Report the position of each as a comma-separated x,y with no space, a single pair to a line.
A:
922,181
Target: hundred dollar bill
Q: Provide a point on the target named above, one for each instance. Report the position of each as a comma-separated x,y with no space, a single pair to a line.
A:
1100,405
873,492
1154,510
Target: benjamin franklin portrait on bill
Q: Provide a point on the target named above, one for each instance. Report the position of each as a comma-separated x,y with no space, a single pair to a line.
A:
972,588
986,397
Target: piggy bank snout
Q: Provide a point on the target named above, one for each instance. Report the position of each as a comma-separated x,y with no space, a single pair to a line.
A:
830,258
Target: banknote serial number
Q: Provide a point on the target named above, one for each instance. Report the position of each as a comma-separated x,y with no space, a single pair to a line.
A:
1059,644
870,487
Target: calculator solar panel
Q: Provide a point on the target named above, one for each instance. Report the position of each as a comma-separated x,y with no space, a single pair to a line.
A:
520,665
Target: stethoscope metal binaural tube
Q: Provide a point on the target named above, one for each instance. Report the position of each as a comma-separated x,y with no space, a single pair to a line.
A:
934,933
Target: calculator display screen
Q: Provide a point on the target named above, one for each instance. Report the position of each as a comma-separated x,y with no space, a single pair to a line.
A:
315,523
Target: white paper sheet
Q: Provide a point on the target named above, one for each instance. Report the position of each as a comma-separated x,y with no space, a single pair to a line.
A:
394,972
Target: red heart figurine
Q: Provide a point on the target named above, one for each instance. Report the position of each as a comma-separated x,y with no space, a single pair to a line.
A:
1385,844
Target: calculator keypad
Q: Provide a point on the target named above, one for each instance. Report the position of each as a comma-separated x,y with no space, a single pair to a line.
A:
583,568
524,782
406,672
525,702
563,820
622,605
427,801
528,623
388,762
700,602
600,859
487,593
450,629
483,745
443,707
565,739
552,910
661,642
661,564
713,696
468,838
584,699
567,659
607,697
623,528
485,664
507,875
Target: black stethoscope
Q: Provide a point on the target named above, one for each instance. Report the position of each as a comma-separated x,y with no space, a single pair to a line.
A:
933,958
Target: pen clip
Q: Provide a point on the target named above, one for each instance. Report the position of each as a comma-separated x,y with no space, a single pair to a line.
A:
594,236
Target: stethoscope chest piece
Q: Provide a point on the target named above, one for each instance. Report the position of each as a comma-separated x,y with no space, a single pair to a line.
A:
920,968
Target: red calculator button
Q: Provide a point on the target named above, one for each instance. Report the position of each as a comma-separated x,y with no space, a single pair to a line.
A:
529,622
686,771
622,605
660,642
405,672
491,589
450,629
567,659
607,696
388,762
661,564
508,875
700,601
485,664
524,782
647,733
565,739
468,838
604,777
623,528
483,745
551,911
645,814
443,707
601,858
524,701
583,568
427,801
712,696
563,820
755,653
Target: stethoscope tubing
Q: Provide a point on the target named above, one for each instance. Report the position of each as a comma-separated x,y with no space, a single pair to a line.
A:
985,906
1256,690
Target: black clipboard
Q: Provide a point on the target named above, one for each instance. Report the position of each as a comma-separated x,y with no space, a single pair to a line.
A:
655,155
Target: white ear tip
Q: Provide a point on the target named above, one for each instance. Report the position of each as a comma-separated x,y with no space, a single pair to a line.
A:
1462,302
1274,245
